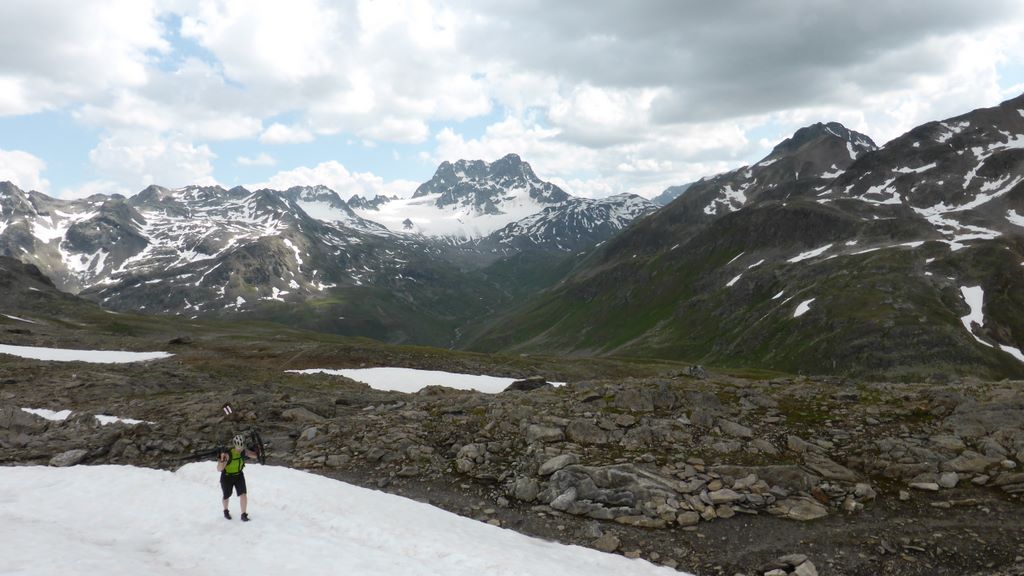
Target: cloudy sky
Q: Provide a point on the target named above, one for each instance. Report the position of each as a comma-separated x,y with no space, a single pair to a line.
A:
369,96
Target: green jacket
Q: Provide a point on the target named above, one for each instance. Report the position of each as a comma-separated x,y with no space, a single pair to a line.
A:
236,462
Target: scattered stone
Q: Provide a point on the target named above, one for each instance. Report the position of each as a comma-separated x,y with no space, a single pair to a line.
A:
925,486
564,500
69,458
864,491
735,429
806,569
607,543
538,433
557,463
828,468
688,518
528,384
526,489
724,496
948,480
799,508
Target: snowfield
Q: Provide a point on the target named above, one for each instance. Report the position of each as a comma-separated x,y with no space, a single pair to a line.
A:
69,355
123,520
411,381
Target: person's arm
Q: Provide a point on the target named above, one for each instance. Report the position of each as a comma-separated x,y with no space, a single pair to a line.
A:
222,462
251,454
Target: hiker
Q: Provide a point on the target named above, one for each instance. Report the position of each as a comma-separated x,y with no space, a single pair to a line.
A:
230,464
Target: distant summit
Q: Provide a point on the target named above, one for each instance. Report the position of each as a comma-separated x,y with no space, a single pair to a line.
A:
487,186
670,194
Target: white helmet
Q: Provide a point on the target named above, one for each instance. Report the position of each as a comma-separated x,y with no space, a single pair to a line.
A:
238,441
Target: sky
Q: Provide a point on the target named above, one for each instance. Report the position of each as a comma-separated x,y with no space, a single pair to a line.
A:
118,520
369,96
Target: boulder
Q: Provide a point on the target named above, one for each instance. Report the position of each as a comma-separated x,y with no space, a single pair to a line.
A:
734,429
724,496
69,458
557,463
17,420
970,462
526,489
948,479
792,478
607,543
829,468
585,432
528,384
539,433
799,508
301,414
564,500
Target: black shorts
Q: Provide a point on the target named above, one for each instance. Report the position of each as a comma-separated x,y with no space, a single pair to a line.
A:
229,481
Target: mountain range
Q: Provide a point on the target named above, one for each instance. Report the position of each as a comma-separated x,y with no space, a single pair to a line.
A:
829,255
306,257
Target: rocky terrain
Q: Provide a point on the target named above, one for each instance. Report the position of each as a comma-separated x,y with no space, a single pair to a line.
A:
711,473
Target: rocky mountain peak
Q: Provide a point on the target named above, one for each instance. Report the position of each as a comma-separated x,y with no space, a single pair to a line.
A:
818,134
357,202
154,193
489,187
318,193
12,199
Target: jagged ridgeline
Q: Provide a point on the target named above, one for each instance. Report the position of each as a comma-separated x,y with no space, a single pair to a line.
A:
828,256
305,257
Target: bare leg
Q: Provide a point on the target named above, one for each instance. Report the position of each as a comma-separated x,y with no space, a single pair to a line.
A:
243,500
225,504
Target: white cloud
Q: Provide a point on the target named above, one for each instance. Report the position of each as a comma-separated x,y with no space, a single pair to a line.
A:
336,177
281,134
24,170
262,159
666,156
138,159
194,101
598,117
59,52
265,42
641,95
375,70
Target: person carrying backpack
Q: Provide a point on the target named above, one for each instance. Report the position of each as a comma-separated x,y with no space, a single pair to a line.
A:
230,464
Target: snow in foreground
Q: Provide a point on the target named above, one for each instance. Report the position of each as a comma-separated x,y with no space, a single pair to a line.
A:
412,381
120,520
68,355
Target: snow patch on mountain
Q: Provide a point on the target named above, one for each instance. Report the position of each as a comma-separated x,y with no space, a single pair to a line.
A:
1015,218
974,296
809,254
803,308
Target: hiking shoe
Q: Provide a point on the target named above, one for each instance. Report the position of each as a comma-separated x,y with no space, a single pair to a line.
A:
228,514
245,517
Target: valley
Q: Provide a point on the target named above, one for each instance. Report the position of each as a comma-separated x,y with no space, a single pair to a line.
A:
807,365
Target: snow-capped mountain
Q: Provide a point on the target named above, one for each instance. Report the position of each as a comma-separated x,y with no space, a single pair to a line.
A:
814,154
573,225
203,249
207,250
468,199
829,255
